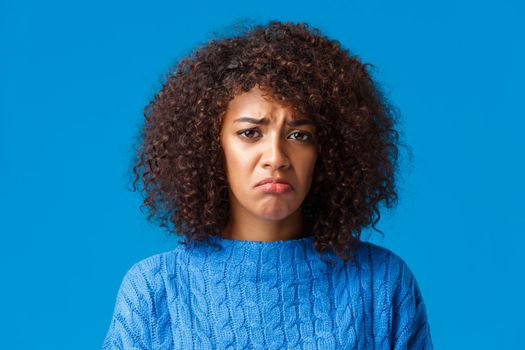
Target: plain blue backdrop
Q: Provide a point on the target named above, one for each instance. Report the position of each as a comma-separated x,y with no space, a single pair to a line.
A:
75,76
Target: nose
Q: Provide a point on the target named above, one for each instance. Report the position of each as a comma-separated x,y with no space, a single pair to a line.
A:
275,156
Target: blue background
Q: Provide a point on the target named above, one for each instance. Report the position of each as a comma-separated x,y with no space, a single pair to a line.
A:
74,78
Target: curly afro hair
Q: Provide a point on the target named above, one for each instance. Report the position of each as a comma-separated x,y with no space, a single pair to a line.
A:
181,164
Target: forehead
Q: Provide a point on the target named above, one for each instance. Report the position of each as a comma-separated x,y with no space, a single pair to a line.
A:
256,101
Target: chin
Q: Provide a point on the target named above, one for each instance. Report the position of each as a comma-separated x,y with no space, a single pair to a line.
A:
276,217
277,213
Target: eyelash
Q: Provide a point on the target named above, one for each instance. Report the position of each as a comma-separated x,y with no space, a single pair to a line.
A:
295,132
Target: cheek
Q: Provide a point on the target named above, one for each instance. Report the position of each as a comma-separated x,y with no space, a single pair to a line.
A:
308,167
308,161
237,162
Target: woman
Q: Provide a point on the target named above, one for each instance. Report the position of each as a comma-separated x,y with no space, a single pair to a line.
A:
269,152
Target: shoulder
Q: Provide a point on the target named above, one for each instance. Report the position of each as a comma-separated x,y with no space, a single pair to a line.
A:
387,269
147,267
148,276
138,316
396,290
144,285
377,253
153,267
381,258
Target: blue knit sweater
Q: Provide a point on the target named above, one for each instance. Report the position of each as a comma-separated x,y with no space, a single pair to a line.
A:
268,295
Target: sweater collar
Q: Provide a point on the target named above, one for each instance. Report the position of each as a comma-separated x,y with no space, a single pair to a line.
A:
255,261
258,245
258,251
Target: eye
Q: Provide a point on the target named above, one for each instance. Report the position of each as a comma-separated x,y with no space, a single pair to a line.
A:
243,132
308,135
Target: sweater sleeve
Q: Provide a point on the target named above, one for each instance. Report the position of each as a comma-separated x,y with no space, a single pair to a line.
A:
130,324
411,330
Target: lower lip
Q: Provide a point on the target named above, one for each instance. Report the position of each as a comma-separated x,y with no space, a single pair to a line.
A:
275,187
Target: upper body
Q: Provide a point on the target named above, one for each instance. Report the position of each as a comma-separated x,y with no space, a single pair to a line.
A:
269,295
264,141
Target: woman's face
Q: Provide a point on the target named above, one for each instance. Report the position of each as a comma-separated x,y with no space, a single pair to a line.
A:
259,140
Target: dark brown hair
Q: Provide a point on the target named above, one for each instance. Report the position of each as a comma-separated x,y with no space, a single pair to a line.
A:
180,162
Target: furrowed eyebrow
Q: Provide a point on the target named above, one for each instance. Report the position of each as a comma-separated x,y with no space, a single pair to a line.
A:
299,122
264,121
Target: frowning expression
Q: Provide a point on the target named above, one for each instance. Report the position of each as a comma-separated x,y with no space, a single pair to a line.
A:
261,138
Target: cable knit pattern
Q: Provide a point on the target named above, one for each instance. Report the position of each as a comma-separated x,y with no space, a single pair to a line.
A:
268,295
